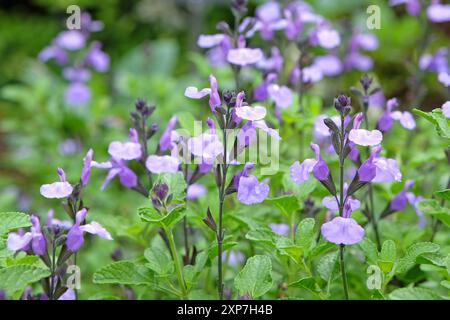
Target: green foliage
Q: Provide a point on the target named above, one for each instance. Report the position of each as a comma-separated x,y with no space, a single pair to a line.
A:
255,279
16,278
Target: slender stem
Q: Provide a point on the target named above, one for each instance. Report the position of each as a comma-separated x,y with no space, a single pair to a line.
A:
344,275
341,203
219,234
176,261
52,276
370,205
185,225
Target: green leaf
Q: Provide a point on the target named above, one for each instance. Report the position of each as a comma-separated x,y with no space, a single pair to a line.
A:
432,207
176,184
387,256
13,220
165,221
414,294
412,253
255,278
17,277
370,250
327,265
443,194
263,235
439,120
287,204
159,261
304,236
124,272
307,283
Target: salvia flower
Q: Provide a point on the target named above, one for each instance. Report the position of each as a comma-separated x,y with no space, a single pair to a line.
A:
342,230
126,150
364,137
446,109
160,164
399,202
438,12
368,170
75,236
166,141
57,190
249,189
387,118
214,97
21,241
117,168
300,172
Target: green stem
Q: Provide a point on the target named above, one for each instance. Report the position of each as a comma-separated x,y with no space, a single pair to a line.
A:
344,275
177,263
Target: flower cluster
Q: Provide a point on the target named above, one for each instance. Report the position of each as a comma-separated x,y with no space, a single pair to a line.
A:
70,49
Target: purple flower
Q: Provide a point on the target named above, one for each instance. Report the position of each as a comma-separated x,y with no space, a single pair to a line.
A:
50,221
330,65
165,142
387,170
300,172
86,171
280,228
281,95
364,137
273,63
71,40
209,41
97,58
312,73
398,203
261,92
342,230
386,120
234,257
413,200
21,241
446,109
76,74
126,150
437,12
437,63
321,171
444,78
161,164
327,38
117,168
207,146
250,191
251,113
68,295
214,98
368,170
268,17
321,132
412,6
54,52
332,205
77,93
244,56
57,190
75,236
195,191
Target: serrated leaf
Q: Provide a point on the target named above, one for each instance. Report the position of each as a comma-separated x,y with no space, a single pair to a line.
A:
307,283
16,278
304,236
432,207
370,250
287,204
387,256
176,184
159,261
326,265
412,253
438,119
165,221
124,272
13,220
413,294
255,278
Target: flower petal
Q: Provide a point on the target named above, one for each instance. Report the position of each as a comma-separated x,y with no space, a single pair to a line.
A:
160,164
56,190
251,113
342,231
365,138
